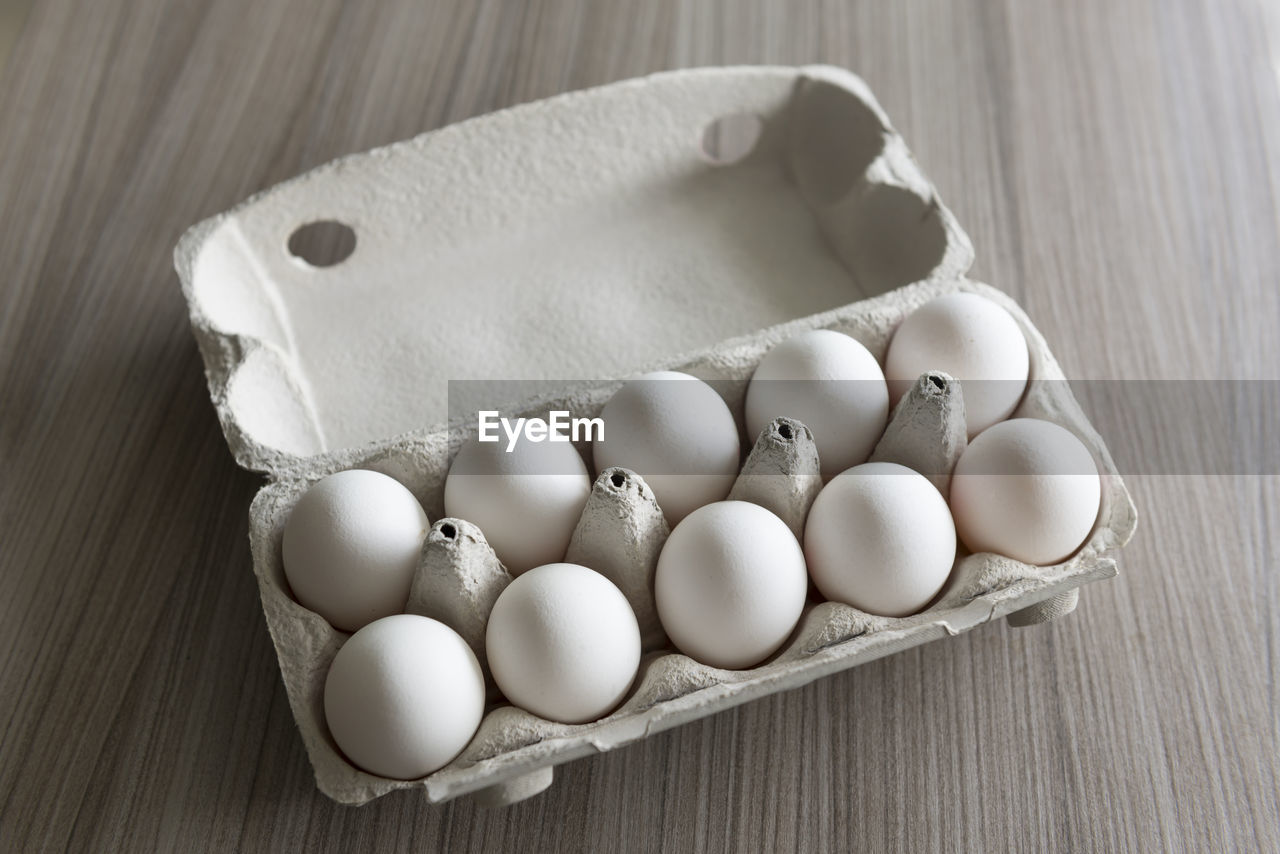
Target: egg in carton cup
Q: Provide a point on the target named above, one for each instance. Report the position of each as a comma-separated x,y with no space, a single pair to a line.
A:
594,235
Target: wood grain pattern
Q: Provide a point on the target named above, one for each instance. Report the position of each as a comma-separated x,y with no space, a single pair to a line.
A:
1117,164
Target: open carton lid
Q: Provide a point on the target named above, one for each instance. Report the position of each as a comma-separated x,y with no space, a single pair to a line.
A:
578,238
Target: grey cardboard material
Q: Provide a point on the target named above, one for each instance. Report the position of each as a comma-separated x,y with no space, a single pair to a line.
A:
583,239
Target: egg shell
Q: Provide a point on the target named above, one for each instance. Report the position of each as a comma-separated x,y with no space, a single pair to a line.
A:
403,696
730,584
351,547
829,382
880,538
974,340
563,643
1027,489
677,433
526,500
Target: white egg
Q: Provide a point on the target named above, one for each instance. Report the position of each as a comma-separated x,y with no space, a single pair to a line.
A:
730,584
1026,489
879,537
526,500
972,339
832,384
563,643
676,432
351,546
403,696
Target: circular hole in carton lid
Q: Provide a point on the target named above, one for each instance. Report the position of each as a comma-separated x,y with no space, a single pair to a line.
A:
729,139
323,243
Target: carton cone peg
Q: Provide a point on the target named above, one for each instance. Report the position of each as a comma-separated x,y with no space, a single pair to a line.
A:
619,535
457,581
782,473
927,430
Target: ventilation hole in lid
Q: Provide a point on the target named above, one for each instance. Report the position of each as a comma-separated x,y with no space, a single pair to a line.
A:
784,430
730,139
617,479
448,531
323,243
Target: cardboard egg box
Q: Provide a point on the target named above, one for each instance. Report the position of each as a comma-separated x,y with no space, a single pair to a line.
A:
689,220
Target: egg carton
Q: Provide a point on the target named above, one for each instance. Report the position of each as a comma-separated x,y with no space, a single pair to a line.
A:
578,240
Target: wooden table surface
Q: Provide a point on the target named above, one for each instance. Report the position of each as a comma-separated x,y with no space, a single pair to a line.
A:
1117,164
